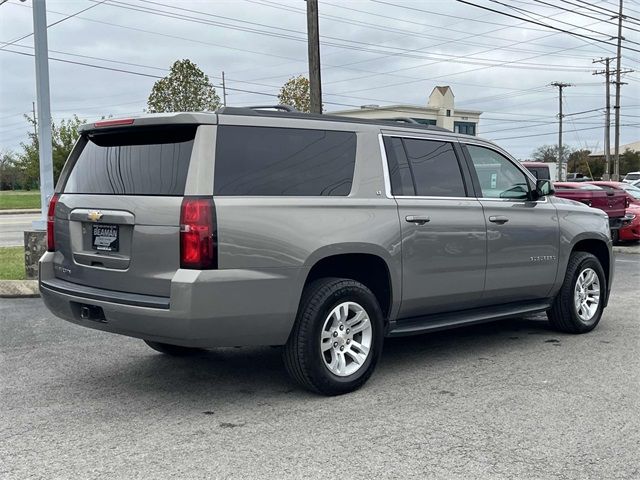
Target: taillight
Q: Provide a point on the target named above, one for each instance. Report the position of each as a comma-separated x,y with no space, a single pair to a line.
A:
198,237
51,213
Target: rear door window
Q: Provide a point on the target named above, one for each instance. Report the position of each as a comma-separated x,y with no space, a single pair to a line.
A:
426,168
133,161
283,161
435,168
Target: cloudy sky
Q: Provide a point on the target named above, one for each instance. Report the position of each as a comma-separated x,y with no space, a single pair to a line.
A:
105,60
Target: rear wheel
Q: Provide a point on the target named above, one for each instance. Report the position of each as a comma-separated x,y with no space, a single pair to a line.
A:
173,350
337,338
579,304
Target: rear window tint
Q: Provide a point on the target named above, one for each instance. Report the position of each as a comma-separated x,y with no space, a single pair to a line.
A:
133,161
283,161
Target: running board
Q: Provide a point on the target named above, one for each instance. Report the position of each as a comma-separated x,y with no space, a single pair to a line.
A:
443,321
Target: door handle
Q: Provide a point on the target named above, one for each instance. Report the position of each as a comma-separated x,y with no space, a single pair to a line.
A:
499,219
418,219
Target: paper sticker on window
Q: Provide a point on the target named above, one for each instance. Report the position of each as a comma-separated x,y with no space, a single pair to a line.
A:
494,180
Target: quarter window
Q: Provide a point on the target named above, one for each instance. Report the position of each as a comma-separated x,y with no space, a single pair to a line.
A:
498,176
283,161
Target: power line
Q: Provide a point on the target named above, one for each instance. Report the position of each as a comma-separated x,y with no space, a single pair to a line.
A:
580,13
543,24
6,44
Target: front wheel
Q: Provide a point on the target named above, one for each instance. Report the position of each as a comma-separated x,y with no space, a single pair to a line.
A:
579,304
337,339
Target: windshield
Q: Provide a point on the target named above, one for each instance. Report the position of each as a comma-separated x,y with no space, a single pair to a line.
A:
633,191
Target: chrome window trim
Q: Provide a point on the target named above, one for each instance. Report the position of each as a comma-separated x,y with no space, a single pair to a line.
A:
426,197
518,200
385,167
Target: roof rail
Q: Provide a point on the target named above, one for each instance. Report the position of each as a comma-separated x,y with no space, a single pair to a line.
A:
402,120
284,108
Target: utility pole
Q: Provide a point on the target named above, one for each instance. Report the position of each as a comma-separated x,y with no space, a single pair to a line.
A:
224,91
313,40
560,86
616,167
607,118
44,109
35,119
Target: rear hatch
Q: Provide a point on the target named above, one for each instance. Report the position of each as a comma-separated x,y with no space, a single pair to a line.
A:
118,214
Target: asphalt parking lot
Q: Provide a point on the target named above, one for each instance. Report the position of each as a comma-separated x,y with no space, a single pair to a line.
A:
509,399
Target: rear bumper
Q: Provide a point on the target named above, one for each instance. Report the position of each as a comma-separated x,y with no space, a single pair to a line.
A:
208,308
617,223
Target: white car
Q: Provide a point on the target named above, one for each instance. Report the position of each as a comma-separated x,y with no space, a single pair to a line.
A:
636,183
631,177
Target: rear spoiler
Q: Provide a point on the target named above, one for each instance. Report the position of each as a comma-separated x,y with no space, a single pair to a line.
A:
192,118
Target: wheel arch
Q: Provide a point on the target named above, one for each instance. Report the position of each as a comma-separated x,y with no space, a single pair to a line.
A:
601,249
368,264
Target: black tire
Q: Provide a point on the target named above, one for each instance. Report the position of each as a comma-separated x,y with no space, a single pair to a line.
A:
173,350
615,236
302,352
563,315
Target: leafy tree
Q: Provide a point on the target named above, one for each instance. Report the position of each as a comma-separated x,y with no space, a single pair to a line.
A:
549,153
578,161
63,136
296,92
11,176
629,162
185,89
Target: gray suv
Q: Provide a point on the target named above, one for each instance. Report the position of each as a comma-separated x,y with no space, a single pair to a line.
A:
321,234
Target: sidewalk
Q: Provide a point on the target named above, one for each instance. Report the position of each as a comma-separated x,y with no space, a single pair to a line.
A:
18,211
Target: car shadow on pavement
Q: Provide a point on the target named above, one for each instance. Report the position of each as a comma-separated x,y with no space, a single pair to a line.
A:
259,371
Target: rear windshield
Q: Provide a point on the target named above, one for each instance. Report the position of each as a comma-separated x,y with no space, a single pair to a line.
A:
283,161
133,161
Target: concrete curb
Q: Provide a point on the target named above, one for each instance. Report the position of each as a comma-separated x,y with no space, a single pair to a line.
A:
19,289
633,249
18,211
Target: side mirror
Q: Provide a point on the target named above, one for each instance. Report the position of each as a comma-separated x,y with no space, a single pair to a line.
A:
543,189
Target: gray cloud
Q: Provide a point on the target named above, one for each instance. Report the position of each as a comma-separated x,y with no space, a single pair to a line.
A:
372,52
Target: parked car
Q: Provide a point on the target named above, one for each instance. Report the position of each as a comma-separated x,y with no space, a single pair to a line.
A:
321,234
610,201
541,170
631,177
630,232
632,193
636,183
578,177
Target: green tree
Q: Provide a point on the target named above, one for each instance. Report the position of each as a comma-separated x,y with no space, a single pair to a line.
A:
297,93
63,136
185,89
578,161
11,176
629,162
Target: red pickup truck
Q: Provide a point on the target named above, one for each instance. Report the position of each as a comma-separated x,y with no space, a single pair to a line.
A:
613,202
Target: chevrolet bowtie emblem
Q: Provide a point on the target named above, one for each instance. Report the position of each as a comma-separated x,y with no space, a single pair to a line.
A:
94,215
